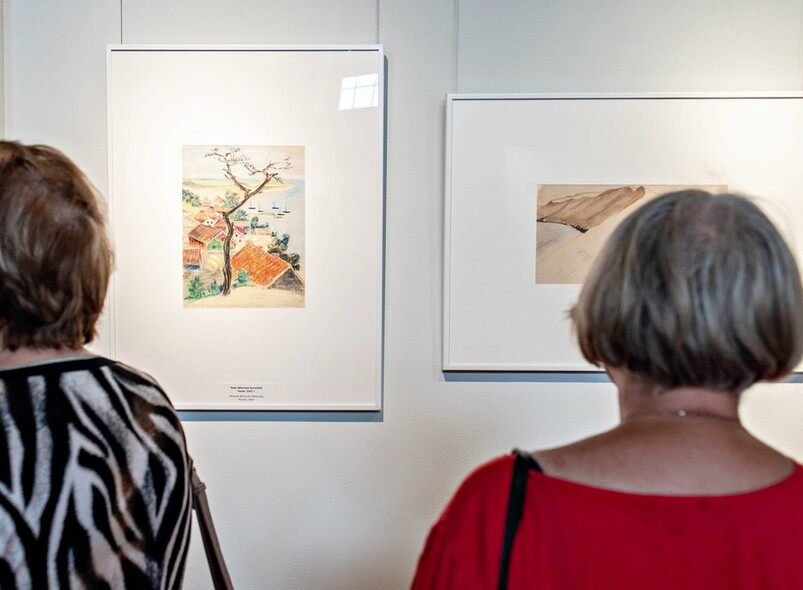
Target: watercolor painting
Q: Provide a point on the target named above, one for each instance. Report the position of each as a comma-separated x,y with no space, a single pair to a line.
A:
574,220
243,226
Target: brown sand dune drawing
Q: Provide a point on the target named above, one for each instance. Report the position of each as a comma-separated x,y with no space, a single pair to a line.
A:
573,222
584,211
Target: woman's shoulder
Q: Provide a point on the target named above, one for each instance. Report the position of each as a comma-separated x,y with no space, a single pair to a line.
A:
464,542
133,373
127,390
483,490
138,382
74,365
489,475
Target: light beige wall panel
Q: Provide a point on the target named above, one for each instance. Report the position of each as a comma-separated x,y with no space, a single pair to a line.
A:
56,76
774,413
258,22
628,45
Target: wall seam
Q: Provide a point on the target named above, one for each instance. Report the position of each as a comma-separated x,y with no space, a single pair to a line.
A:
5,76
800,46
456,45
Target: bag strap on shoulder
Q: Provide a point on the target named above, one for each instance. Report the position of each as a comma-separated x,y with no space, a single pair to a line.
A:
523,462
515,508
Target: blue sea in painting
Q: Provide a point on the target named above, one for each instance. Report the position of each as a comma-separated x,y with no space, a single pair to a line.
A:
289,217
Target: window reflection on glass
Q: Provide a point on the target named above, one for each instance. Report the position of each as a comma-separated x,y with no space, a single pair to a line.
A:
359,92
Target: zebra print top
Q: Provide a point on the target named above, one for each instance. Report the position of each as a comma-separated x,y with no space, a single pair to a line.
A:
94,479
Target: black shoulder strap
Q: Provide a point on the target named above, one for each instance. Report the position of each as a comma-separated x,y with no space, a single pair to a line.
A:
515,508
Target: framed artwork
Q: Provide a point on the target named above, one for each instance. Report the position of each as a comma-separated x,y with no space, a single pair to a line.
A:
246,206
535,184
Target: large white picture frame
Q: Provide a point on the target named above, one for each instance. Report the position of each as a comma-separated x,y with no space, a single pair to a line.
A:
315,114
502,149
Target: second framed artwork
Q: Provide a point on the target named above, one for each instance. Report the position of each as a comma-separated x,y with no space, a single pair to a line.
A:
536,183
246,198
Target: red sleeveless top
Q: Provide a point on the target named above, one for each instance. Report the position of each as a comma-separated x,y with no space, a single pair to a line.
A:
577,537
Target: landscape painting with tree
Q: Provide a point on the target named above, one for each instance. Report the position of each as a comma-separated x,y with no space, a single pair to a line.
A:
243,226
573,222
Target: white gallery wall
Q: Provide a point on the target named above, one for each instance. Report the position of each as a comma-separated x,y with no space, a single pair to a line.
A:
344,500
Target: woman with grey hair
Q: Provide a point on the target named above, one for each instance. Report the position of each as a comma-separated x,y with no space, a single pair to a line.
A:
694,298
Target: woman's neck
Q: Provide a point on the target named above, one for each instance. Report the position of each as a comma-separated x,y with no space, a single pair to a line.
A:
30,356
640,398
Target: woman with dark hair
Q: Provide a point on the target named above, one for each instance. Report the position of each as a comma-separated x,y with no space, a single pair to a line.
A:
94,473
693,299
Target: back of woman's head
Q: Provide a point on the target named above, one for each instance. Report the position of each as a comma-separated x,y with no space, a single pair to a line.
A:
55,258
694,289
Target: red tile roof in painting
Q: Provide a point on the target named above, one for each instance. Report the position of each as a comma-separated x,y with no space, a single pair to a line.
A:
204,233
264,268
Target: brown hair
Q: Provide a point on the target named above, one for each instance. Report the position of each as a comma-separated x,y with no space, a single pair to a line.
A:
55,258
694,289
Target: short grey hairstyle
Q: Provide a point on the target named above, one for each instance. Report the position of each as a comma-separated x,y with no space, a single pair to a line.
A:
694,289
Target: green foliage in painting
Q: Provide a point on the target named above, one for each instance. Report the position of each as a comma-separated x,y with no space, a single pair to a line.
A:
196,290
190,197
230,200
242,278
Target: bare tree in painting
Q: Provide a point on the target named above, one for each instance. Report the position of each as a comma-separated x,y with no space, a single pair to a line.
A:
231,160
